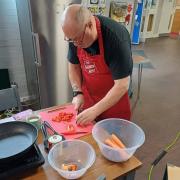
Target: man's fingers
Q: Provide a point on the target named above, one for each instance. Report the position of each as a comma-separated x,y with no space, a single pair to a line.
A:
77,104
81,120
78,119
76,107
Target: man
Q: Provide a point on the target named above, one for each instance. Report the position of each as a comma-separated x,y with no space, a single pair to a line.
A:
100,64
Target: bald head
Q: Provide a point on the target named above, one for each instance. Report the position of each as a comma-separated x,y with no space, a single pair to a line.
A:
79,25
75,16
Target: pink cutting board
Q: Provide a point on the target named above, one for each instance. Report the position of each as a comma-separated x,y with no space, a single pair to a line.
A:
61,126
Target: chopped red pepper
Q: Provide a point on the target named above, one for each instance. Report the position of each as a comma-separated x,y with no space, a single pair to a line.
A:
63,116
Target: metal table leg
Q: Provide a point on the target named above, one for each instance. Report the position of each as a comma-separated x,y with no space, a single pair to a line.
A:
140,67
130,90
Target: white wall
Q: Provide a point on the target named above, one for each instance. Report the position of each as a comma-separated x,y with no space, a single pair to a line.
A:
11,56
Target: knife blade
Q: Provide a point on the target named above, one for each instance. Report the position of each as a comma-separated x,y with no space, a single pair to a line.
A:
74,133
56,109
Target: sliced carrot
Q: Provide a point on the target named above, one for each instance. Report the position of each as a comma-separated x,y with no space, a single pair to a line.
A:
74,167
64,167
69,167
117,141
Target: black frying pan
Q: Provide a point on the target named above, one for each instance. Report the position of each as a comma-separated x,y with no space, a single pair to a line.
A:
16,138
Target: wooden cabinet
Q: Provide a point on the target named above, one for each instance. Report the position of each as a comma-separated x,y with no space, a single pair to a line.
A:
176,22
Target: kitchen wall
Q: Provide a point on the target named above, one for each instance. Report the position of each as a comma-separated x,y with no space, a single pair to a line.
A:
11,56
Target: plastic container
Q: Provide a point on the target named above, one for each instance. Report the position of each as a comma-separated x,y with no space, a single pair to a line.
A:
35,120
71,152
130,134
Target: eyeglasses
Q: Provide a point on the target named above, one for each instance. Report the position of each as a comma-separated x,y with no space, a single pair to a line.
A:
76,40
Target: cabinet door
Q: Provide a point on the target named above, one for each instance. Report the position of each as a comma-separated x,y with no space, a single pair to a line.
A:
176,22
166,17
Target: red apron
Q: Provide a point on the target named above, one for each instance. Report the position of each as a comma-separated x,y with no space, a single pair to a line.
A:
97,81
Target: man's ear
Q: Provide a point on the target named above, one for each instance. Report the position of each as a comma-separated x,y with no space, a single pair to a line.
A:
90,25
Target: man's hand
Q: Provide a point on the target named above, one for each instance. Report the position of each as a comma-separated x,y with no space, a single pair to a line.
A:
86,116
78,102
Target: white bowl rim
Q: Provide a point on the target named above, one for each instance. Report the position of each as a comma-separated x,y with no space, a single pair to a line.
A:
72,172
118,119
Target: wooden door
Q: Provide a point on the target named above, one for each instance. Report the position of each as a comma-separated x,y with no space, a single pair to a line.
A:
176,22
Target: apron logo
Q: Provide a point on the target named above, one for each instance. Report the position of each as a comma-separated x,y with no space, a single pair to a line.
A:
89,66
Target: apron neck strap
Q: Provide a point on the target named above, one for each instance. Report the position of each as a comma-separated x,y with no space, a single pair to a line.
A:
100,39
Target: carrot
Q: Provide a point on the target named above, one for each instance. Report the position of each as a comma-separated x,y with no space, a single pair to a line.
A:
64,167
117,141
110,143
69,167
74,167
113,142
